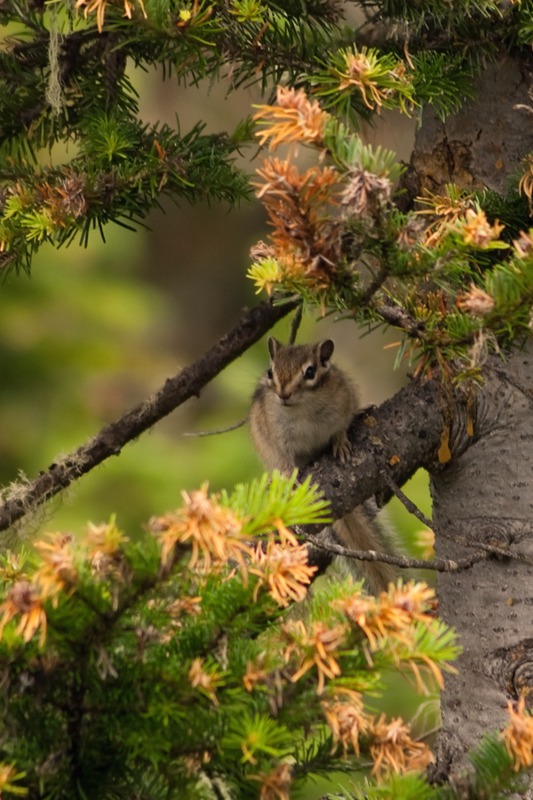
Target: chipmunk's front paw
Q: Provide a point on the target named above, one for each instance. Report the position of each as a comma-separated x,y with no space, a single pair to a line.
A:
342,447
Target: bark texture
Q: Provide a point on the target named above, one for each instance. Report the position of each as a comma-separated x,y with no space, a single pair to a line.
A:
484,497
482,145
395,439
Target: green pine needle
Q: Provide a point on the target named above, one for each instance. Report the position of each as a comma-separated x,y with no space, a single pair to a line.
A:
272,498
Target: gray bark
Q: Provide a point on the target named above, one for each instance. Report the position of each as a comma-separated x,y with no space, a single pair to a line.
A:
482,145
484,496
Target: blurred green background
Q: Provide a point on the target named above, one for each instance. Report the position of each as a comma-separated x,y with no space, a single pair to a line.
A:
90,334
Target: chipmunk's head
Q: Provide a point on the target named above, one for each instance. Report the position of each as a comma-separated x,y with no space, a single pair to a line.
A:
297,369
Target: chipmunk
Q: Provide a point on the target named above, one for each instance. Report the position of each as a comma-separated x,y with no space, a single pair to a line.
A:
303,404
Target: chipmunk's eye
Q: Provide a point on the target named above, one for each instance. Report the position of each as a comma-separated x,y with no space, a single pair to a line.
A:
270,374
310,373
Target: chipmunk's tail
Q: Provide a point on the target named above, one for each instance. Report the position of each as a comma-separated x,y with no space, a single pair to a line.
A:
356,531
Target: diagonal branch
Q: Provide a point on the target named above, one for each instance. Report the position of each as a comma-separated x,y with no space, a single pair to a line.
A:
253,323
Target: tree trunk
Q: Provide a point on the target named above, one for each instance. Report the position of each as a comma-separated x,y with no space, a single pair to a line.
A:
481,146
484,496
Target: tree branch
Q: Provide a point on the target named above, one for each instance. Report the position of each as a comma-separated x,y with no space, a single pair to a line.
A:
399,318
22,499
403,434
408,504
403,562
388,444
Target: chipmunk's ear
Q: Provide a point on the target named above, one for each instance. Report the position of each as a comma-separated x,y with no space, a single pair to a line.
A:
325,350
273,346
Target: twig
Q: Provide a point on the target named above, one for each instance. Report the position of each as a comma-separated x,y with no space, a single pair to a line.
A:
216,431
295,324
24,498
487,547
376,283
404,562
399,318
402,497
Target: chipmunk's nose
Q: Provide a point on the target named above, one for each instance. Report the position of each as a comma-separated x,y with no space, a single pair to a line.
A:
284,397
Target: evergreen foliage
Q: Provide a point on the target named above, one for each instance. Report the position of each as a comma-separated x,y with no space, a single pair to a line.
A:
154,670
193,663
444,273
64,78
